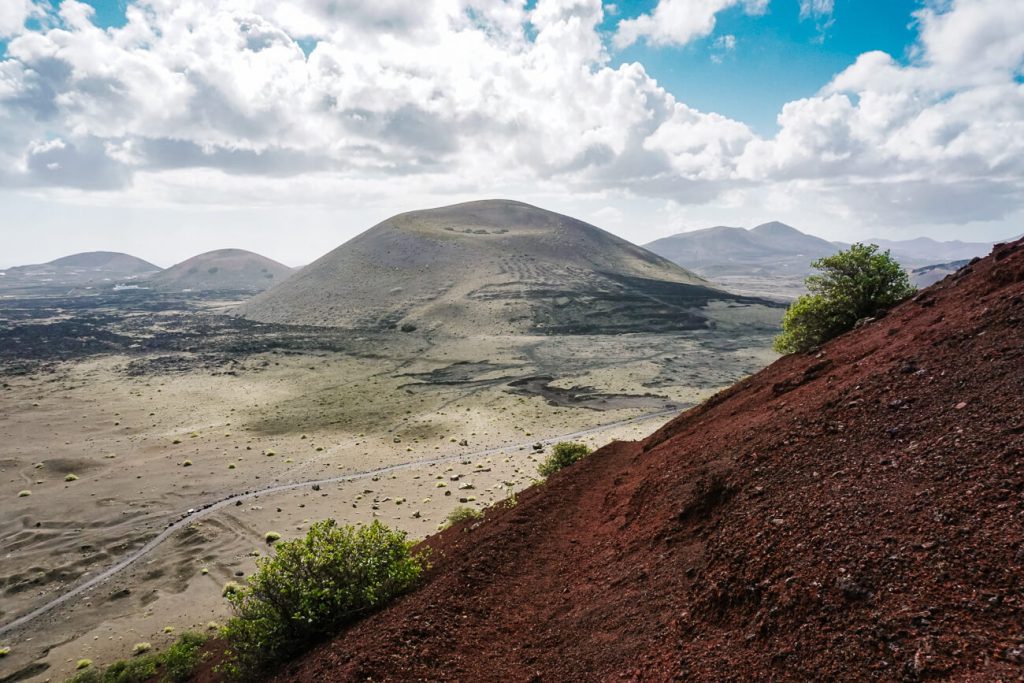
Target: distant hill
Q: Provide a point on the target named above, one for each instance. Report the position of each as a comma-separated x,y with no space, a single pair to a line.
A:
93,269
495,267
234,270
106,262
772,259
767,250
929,275
924,251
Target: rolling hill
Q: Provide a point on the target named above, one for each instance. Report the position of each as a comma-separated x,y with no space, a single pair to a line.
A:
852,514
767,250
227,270
927,276
499,267
923,251
92,270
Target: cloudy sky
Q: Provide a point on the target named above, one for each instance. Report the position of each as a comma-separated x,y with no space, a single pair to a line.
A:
169,127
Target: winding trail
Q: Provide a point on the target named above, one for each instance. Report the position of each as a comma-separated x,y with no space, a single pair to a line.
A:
199,513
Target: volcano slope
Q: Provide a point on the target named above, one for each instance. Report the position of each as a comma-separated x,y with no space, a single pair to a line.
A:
500,267
850,514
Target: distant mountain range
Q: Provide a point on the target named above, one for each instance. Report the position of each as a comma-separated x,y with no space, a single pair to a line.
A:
775,249
924,251
769,249
929,275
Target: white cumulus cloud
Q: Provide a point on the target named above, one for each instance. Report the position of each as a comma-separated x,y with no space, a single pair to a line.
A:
677,22
217,101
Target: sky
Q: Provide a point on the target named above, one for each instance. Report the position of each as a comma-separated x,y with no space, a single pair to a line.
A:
164,128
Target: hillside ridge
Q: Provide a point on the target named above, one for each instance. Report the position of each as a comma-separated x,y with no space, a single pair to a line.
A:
847,514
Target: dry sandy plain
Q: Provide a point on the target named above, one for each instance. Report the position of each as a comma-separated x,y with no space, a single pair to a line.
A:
165,417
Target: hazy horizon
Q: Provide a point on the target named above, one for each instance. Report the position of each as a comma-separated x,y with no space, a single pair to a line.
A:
164,263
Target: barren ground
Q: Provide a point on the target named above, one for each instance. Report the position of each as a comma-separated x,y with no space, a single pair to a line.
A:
163,406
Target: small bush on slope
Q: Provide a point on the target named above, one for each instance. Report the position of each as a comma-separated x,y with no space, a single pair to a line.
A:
462,513
562,455
181,659
312,586
852,285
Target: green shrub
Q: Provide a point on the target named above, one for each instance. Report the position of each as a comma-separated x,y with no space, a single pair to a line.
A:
852,285
313,585
230,588
141,648
562,455
463,513
180,660
271,537
134,671
87,676
83,664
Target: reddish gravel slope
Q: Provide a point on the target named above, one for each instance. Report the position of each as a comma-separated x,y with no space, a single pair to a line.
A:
855,514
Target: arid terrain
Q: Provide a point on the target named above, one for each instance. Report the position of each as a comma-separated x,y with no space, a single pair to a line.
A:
127,412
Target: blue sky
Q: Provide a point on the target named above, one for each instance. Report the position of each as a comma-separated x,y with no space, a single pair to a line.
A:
778,56
213,123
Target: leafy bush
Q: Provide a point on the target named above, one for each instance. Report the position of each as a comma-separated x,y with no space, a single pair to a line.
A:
313,585
133,671
180,660
853,284
87,676
463,513
562,455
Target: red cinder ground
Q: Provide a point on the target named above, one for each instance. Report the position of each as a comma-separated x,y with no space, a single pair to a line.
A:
851,514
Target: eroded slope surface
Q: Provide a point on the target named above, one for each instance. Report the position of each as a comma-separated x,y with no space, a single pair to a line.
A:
851,514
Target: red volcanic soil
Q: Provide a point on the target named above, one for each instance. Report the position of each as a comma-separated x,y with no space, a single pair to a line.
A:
851,514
